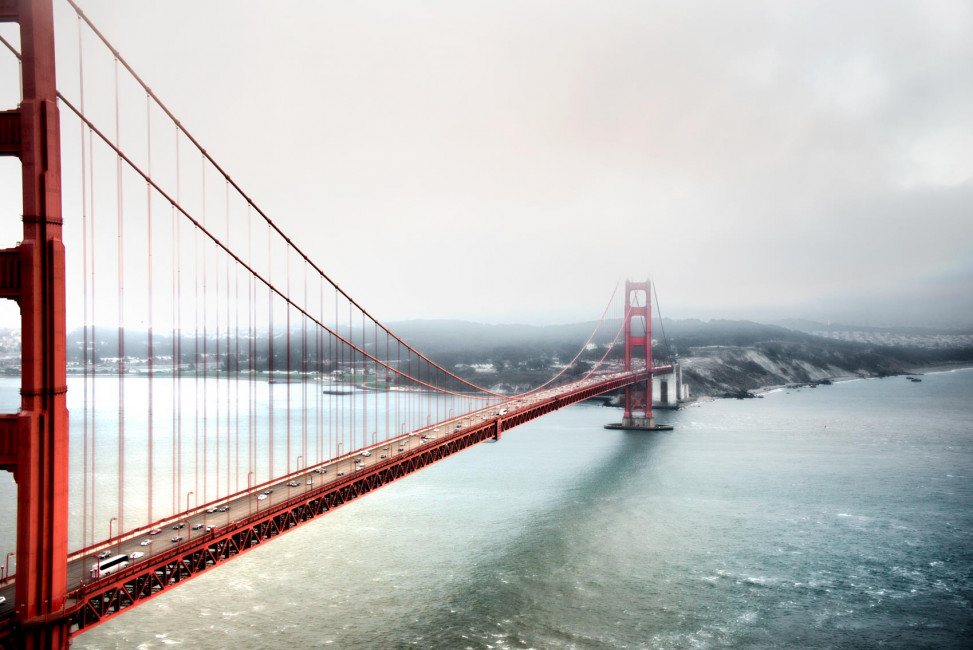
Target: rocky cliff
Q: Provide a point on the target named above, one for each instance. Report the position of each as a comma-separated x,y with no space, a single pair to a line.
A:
734,370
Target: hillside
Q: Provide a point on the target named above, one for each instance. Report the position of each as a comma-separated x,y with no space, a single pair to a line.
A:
733,370
719,357
732,357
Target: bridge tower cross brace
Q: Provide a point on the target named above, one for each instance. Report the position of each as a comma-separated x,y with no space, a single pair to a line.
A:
34,442
638,398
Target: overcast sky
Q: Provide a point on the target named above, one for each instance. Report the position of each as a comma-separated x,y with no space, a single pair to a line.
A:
510,161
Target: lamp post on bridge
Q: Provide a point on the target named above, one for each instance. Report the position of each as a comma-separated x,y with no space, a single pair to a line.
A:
250,492
6,570
110,522
190,533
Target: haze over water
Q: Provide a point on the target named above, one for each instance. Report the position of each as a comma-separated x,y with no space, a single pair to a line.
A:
839,516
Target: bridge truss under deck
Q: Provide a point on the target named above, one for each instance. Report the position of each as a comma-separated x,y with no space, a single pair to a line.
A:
103,599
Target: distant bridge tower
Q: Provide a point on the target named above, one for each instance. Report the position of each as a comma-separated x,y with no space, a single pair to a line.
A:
638,398
638,335
34,442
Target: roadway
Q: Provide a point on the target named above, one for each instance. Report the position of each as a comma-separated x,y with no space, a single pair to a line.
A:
174,532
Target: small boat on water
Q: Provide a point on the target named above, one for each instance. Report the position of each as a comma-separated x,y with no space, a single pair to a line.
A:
913,379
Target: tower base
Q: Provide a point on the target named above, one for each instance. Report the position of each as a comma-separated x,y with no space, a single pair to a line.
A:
639,424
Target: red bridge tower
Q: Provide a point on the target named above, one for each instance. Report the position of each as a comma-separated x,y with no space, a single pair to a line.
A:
638,335
34,442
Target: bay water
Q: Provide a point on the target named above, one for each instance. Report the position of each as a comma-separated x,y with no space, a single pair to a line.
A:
838,516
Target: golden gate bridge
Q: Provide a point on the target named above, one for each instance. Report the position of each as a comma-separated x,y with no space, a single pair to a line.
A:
224,389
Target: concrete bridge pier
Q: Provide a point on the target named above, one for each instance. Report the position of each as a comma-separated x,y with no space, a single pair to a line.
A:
639,424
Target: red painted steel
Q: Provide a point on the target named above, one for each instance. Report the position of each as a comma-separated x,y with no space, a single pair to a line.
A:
279,292
638,398
271,224
10,133
10,274
105,598
9,441
34,443
41,463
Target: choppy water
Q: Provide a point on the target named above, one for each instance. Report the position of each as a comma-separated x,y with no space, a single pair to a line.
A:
840,516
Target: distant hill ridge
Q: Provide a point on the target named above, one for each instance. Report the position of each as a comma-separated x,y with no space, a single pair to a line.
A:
804,325
719,356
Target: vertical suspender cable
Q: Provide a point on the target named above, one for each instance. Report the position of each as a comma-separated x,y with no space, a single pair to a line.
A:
332,366
349,431
175,353
662,328
217,402
304,371
339,356
375,341
251,354
397,383
319,423
364,399
287,267
216,370
205,359
228,401
196,391
84,273
270,382
388,388
94,337
411,397
332,407
319,376
148,204
121,320
179,382
173,251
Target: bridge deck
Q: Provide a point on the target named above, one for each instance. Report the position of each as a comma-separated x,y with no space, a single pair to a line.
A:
253,517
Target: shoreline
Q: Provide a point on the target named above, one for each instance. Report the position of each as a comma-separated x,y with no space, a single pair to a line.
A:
943,367
940,367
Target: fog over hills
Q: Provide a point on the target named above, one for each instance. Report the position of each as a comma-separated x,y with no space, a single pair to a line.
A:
812,326
719,356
